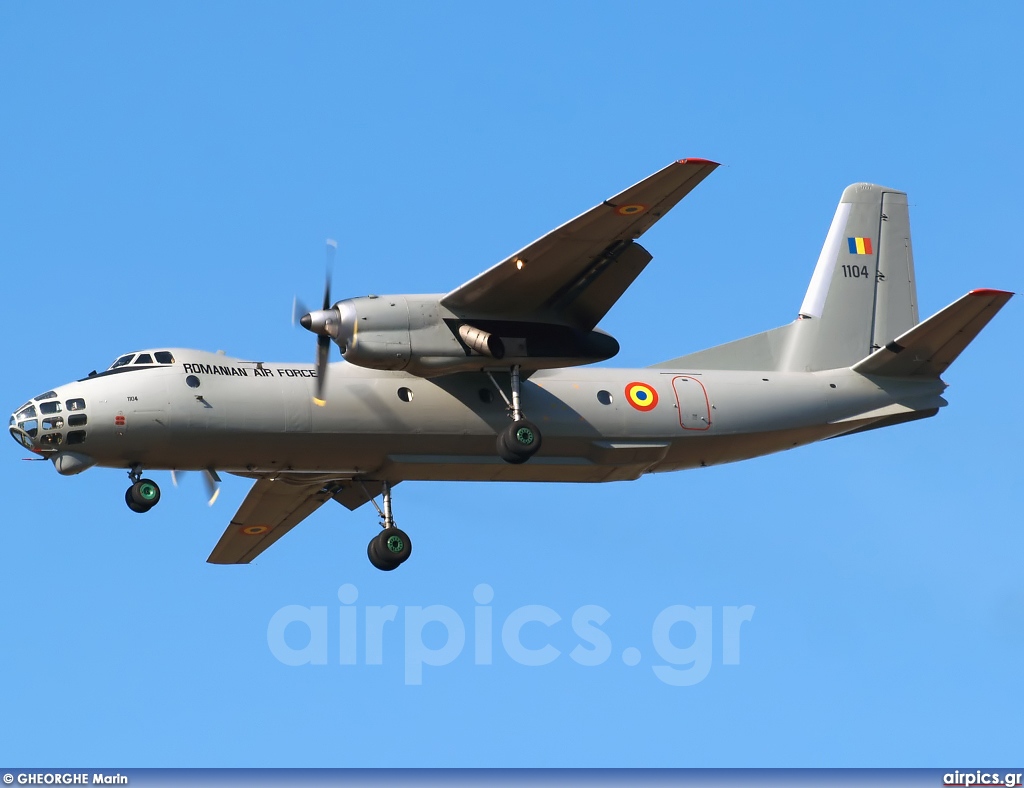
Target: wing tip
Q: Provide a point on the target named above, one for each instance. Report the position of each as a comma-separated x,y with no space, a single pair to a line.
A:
698,161
987,291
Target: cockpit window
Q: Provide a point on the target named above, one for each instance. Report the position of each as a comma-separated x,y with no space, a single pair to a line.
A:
23,439
49,407
144,358
164,357
30,427
122,361
28,413
53,423
75,404
52,439
46,395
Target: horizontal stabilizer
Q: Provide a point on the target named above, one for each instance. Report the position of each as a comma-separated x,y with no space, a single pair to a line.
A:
930,347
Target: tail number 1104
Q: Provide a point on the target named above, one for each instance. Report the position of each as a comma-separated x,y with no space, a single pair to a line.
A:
855,272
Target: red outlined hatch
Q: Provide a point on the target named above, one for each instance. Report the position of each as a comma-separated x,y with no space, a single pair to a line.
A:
692,401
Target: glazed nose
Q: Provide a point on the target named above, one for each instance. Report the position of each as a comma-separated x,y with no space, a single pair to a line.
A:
24,426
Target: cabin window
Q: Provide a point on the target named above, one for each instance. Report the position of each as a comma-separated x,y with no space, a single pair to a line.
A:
47,395
78,420
49,407
51,439
405,394
604,397
53,423
76,436
75,404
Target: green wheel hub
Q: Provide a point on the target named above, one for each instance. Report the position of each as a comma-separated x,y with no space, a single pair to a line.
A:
525,436
147,491
395,543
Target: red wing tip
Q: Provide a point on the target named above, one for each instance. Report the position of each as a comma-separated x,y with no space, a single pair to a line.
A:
985,291
698,161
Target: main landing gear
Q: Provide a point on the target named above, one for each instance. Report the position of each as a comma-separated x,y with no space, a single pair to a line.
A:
521,439
392,546
143,494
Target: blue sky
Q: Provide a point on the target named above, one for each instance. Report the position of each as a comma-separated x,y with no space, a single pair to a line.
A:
168,174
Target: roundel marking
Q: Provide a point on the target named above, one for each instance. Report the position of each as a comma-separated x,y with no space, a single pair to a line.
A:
641,396
630,210
254,530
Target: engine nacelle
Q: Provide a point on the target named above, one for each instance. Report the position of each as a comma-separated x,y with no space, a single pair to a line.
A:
416,334
374,331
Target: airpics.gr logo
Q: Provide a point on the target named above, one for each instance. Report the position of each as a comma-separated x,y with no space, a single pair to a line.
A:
641,396
529,635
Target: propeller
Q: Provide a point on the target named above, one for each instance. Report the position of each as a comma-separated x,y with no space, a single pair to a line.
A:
210,479
322,323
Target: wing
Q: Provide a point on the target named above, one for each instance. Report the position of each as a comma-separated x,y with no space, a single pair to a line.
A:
269,511
575,273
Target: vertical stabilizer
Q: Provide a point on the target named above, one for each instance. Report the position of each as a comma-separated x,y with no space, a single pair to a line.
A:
862,293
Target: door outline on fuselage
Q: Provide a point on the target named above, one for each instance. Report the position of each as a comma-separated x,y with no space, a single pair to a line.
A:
693,404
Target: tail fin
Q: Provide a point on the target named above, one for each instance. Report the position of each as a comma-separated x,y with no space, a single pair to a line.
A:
862,294
930,347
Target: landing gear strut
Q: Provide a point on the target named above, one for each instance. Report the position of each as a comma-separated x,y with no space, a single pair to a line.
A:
143,494
392,546
521,439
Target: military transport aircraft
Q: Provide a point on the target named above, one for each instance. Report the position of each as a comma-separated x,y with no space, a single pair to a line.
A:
486,382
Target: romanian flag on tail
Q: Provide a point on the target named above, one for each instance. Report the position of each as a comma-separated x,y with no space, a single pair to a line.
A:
860,245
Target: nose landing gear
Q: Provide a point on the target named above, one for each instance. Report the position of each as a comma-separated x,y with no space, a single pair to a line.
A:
392,546
143,494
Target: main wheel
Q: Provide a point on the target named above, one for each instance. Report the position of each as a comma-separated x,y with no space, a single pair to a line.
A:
145,492
389,548
519,441
382,563
135,507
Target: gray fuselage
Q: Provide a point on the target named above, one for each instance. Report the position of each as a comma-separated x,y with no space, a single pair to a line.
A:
210,411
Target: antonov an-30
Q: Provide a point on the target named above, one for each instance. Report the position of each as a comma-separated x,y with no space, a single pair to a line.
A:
488,381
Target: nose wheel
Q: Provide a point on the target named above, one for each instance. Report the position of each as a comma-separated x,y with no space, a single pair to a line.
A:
521,439
143,494
392,546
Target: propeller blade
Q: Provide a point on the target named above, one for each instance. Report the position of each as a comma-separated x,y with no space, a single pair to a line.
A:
298,310
323,352
323,343
212,481
331,251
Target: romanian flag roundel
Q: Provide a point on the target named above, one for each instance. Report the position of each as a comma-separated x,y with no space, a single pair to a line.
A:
641,396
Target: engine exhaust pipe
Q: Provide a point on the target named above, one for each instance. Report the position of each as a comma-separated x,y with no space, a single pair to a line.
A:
482,342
